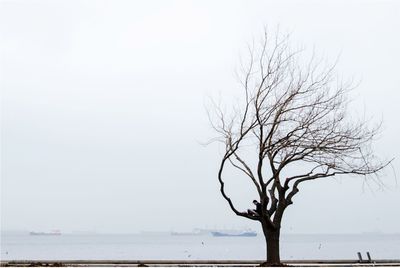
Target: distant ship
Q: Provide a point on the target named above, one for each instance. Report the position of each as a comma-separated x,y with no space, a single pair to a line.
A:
184,233
55,232
237,233
196,231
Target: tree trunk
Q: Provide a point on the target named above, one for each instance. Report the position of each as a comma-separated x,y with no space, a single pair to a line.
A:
272,237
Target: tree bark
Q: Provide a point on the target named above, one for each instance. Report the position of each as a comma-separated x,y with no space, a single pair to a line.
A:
272,237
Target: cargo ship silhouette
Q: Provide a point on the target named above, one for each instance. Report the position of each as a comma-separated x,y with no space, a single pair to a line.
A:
54,232
237,233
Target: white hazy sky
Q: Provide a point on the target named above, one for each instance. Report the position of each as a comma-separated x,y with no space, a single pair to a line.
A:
102,111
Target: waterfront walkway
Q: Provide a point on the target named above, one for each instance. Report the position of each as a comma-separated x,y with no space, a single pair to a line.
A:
194,263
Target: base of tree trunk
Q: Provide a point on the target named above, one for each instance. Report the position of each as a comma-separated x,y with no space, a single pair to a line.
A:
268,264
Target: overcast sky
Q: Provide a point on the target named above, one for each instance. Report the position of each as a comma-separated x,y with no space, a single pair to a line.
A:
103,118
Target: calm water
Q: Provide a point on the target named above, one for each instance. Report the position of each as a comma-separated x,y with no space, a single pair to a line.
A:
166,246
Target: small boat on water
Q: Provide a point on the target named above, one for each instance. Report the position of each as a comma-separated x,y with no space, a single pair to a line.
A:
237,233
54,232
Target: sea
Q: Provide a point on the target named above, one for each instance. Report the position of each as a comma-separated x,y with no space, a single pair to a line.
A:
166,246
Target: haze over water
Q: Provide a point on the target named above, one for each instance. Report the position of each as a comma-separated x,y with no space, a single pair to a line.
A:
163,246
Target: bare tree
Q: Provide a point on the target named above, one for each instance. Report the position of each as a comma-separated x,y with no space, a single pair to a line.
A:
294,115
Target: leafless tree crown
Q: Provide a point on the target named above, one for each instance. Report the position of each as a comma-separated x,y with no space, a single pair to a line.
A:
292,112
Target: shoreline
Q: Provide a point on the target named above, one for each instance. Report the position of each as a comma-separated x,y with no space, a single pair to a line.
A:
197,263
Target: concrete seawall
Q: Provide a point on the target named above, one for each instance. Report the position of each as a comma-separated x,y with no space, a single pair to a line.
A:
196,263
